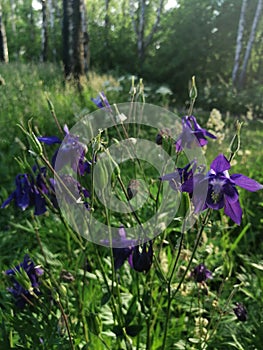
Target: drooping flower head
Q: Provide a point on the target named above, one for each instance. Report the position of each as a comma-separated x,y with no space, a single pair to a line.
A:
30,191
142,257
201,273
25,279
222,192
240,312
126,246
192,134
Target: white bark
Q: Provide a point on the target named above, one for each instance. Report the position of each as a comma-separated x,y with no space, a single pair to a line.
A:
3,40
240,32
250,43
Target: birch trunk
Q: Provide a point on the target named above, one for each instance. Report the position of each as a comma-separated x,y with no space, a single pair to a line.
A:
239,41
242,76
3,40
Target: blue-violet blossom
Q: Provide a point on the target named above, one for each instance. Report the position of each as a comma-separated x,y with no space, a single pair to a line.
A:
192,134
25,279
29,191
72,152
201,273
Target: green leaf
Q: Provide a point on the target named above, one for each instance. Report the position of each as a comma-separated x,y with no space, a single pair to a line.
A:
105,298
94,323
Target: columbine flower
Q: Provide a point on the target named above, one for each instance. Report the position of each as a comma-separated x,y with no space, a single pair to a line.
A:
72,152
29,192
192,134
180,176
222,192
120,255
25,281
101,101
201,274
142,257
240,312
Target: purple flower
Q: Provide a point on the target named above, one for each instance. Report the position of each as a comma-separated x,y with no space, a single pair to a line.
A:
120,255
29,192
101,101
192,134
71,151
142,257
180,176
222,192
240,312
201,274
25,281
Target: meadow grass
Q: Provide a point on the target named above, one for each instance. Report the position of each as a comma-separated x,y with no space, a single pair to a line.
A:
233,253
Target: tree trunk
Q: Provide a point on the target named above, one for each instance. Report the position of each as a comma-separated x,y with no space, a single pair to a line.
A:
239,41
3,40
242,76
44,56
66,27
78,40
85,38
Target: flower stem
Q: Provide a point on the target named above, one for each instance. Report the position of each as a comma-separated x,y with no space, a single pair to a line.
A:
169,289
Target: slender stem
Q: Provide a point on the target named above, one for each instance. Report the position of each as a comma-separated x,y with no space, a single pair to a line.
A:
170,296
66,323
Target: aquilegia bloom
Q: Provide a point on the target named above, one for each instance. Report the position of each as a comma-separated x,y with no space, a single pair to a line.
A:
29,191
201,273
240,312
222,192
101,101
181,175
72,152
142,257
25,279
192,134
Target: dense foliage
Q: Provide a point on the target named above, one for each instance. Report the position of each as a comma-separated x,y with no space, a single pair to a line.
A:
192,38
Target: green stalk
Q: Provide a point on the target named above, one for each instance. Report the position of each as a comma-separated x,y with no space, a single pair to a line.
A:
170,294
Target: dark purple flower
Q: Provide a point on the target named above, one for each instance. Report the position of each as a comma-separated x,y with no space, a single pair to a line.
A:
25,281
71,151
192,134
142,257
29,191
120,255
180,176
240,312
101,101
201,274
222,192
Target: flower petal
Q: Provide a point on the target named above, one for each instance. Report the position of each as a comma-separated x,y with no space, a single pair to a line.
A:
246,182
233,210
49,140
231,192
8,200
220,164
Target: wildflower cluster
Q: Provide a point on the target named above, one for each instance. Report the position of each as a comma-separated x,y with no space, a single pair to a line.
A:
206,190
